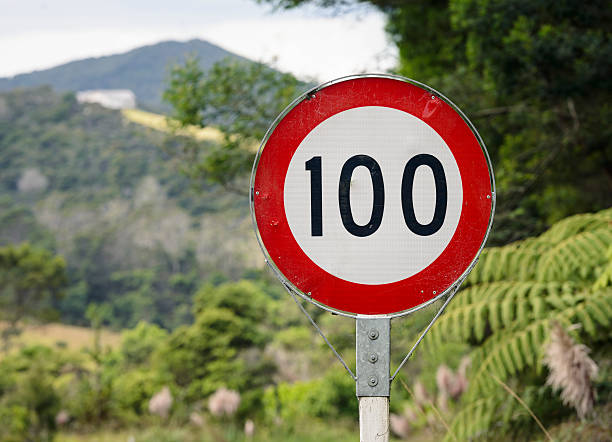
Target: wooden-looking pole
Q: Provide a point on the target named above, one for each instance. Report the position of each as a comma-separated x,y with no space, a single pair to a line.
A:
374,419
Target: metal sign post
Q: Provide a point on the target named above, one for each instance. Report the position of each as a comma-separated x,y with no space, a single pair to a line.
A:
372,197
373,342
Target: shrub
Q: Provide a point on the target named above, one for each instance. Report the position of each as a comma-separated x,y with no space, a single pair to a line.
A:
139,343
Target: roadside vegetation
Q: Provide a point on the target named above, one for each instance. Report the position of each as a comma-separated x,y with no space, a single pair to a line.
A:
132,230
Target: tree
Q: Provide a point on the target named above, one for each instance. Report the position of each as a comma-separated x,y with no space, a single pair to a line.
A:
30,279
223,345
534,78
241,99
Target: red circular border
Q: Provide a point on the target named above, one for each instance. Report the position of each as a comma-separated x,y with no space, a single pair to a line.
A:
299,269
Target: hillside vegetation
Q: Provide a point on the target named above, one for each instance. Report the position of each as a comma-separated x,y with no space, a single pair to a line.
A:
89,184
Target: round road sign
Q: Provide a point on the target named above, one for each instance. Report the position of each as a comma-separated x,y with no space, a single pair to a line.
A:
372,195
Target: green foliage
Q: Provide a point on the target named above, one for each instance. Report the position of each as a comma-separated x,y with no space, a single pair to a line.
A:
135,234
133,389
243,298
30,280
160,295
295,338
99,386
512,297
18,224
221,347
533,76
330,397
138,344
13,423
28,399
535,84
538,48
241,99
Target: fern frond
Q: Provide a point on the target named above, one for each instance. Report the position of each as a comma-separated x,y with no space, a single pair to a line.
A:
507,353
512,262
498,291
497,306
474,419
510,299
518,261
605,277
576,224
576,257
494,356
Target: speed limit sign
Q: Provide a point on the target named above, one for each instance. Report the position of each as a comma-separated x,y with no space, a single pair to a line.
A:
372,195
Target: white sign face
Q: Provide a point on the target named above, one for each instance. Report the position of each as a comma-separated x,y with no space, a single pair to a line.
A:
388,193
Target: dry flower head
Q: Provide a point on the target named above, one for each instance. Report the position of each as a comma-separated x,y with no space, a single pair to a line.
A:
571,370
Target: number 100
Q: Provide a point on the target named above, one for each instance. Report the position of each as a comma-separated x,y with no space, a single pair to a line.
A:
344,195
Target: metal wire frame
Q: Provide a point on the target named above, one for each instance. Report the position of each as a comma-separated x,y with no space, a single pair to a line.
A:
451,295
312,321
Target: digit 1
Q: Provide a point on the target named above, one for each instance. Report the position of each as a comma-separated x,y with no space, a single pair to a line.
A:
441,194
344,195
316,196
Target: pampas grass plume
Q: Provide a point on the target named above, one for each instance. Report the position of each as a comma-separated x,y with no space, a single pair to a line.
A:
570,370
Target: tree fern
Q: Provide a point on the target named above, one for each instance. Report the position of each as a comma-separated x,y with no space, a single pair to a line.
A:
605,277
523,260
510,301
575,257
497,306
509,352
576,224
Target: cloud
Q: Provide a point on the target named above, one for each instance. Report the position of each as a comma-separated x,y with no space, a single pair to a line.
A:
324,48
42,50
307,45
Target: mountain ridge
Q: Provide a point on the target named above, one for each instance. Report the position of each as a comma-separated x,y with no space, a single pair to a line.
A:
143,70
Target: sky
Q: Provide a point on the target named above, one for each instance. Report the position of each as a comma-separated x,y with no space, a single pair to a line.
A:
311,43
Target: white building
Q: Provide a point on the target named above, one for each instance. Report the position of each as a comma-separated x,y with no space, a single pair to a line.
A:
110,98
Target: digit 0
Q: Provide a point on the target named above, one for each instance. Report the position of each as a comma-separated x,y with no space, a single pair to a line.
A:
344,195
441,194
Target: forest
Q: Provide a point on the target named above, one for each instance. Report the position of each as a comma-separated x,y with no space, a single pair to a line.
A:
130,234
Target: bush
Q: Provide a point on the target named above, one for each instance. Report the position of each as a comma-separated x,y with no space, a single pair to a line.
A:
132,390
28,400
139,343
330,397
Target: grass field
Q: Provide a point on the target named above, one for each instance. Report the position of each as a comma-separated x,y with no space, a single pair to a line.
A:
160,123
70,336
310,432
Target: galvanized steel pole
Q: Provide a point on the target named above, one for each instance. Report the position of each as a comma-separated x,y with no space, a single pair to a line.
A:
373,342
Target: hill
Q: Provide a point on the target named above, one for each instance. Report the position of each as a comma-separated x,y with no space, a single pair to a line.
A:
141,70
86,182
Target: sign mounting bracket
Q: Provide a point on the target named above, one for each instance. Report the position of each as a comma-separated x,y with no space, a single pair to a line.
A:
373,350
